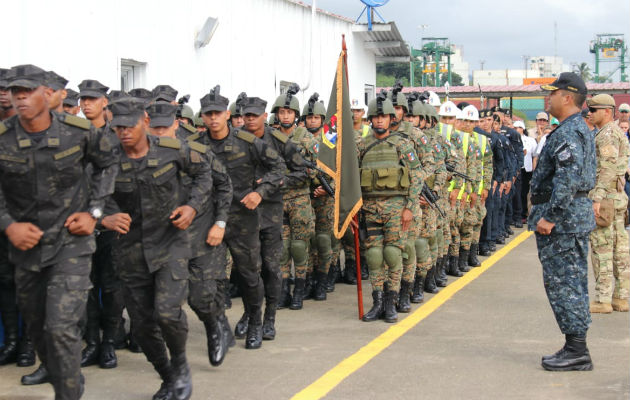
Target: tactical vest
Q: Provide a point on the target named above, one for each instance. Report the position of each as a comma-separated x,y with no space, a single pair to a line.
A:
381,171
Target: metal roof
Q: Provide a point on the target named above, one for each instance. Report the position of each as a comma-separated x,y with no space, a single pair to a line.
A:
384,40
516,90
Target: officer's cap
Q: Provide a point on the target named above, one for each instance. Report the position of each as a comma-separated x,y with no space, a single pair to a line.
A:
116,95
624,107
55,81
254,105
164,92
542,115
27,76
567,81
601,101
213,101
141,93
127,111
162,113
72,98
3,77
92,88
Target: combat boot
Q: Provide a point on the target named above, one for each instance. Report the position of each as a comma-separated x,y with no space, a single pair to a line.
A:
228,336
484,249
574,356
404,305
320,287
473,261
441,279
429,281
254,330
269,321
166,388
463,260
493,246
309,287
107,357
217,346
500,240
350,272
453,266
285,294
417,295
377,307
38,377
8,353
600,308
133,346
389,306
240,330
509,231
365,274
120,339
298,295
620,305
331,278
25,352
182,379
90,354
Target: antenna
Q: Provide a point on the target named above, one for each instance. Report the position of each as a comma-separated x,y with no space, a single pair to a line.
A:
370,6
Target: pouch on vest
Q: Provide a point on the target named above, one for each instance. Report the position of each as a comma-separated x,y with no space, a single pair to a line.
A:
606,213
366,179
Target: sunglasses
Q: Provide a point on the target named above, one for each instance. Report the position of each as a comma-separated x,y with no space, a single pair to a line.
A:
624,111
593,110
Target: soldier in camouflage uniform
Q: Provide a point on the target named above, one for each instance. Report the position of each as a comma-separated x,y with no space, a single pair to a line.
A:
236,111
562,216
70,103
609,241
391,184
48,212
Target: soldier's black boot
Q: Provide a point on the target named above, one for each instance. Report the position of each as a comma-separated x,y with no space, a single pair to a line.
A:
120,339
240,330
389,307
377,307
404,304
217,346
39,376
309,286
463,260
26,352
417,294
107,356
339,275
298,295
133,346
8,353
166,388
453,266
509,231
441,280
182,379
484,249
350,272
90,354
574,356
254,330
331,278
473,261
285,294
269,323
320,286
365,274
429,281
228,336
492,246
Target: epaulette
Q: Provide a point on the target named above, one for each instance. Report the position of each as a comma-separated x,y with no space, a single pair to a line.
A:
193,137
280,136
169,142
77,121
246,136
198,147
188,127
3,128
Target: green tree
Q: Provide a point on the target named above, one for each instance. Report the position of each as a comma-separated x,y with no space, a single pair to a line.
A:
456,79
584,71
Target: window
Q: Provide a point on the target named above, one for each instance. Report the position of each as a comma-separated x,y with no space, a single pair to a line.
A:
284,86
368,91
132,74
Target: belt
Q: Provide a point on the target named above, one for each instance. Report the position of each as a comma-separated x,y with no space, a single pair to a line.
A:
542,198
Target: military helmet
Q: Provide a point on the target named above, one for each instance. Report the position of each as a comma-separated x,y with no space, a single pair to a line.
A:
380,105
397,97
272,119
236,108
431,113
418,109
198,121
185,111
314,106
288,100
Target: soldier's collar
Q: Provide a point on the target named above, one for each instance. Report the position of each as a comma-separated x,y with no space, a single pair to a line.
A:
51,138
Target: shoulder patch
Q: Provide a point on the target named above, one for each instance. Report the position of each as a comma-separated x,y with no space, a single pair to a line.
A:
193,137
3,128
77,121
246,136
198,147
169,142
280,136
423,139
189,128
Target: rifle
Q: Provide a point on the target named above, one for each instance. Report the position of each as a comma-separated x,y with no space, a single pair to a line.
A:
321,175
451,168
431,198
363,233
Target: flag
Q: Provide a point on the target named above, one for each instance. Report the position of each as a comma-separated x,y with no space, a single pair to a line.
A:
338,151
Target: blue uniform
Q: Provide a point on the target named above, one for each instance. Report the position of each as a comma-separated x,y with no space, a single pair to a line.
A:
499,223
565,173
498,169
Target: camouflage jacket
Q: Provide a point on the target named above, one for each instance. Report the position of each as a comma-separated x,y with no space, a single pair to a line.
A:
421,145
44,182
612,152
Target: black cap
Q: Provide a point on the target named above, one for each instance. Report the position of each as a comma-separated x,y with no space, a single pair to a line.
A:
567,81
55,81
213,101
27,76
126,111
3,77
254,105
92,88
141,93
72,98
164,92
116,95
162,113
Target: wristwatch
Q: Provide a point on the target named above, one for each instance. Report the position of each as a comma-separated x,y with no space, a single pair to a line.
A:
96,213
220,224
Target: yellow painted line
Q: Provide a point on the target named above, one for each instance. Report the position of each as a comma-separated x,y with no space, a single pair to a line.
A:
345,368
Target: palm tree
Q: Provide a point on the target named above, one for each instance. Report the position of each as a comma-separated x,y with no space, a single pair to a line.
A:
584,71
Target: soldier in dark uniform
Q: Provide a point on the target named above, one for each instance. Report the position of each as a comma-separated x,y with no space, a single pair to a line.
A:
236,111
150,210
562,216
142,93
71,102
58,84
6,108
504,192
50,224
257,172
515,208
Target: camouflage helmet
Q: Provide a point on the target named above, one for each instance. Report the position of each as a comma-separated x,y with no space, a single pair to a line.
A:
418,109
236,108
288,100
380,105
185,111
198,121
314,106
272,119
397,97
431,113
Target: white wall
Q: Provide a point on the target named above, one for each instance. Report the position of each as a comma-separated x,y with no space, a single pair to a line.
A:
499,77
257,44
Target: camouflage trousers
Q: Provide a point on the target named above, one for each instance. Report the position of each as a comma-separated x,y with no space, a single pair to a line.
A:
472,219
154,301
455,221
565,269
229,264
443,223
409,255
297,229
205,272
321,251
611,259
426,254
384,226
52,301
482,211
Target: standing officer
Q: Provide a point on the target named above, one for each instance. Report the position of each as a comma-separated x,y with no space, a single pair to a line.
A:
611,256
391,186
562,216
48,212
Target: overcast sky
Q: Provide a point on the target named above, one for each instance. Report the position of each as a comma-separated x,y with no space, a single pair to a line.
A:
501,32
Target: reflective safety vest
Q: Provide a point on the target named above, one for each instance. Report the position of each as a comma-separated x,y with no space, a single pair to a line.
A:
365,130
465,140
382,173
